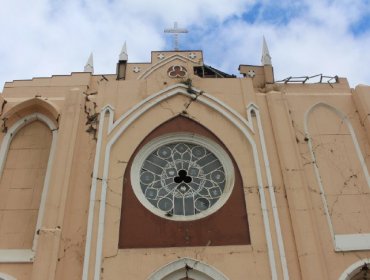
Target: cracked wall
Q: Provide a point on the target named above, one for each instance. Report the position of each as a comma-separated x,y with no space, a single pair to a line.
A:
345,185
118,261
22,184
316,117
308,248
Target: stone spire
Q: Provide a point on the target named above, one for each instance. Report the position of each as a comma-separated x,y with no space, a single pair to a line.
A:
122,63
123,55
266,57
89,67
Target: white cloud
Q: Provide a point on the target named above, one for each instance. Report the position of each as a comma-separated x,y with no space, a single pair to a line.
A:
56,37
317,41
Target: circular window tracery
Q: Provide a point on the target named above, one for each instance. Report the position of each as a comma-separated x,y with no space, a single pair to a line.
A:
182,176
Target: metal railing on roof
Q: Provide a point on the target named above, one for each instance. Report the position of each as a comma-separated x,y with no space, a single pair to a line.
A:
315,79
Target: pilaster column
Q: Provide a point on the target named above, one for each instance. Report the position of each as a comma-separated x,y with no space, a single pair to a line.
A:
296,186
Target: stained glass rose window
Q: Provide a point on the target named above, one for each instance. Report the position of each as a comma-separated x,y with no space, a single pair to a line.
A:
182,176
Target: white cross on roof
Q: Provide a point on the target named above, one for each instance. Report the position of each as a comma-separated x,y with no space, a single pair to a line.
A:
175,31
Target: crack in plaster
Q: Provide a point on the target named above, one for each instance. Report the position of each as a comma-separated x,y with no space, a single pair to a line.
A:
92,117
168,108
113,191
103,78
77,248
346,180
343,188
193,95
198,254
4,127
2,106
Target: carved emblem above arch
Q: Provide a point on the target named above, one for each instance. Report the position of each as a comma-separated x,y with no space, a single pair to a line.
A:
177,71
177,59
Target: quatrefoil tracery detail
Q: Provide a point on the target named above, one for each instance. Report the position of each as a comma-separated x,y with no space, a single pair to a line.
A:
177,71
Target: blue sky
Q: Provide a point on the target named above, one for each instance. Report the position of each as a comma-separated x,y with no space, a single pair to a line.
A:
46,37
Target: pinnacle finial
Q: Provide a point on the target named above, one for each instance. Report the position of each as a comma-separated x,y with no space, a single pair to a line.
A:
266,57
123,55
89,67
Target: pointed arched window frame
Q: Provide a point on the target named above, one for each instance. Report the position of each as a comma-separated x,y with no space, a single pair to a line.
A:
27,255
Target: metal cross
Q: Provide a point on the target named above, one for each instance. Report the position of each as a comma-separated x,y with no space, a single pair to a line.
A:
175,31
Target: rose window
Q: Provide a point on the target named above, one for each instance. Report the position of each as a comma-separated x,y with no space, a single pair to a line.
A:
185,178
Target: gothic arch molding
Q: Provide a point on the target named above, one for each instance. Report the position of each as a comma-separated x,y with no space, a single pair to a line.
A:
342,242
187,267
226,223
114,129
12,131
27,255
178,89
41,106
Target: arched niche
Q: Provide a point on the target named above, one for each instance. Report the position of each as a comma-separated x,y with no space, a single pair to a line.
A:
26,154
186,268
228,225
342,175
123,136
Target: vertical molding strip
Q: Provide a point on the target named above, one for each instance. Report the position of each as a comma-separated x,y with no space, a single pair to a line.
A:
252,107
90,221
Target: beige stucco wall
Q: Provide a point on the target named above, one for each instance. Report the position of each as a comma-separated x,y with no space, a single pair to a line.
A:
292,237
22,184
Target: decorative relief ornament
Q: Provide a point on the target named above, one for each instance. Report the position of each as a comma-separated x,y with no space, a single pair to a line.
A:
177,71
160,56
192,55
251,74
136,69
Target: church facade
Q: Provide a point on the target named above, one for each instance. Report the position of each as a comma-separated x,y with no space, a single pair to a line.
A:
173,169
